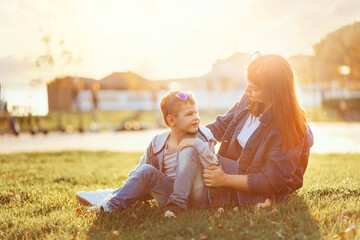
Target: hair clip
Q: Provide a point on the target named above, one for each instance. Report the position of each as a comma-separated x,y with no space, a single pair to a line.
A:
255,56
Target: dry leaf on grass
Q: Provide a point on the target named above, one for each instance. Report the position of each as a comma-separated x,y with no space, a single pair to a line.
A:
251,223
169,214
13,196
203,237
219,225
116,233
274,211
265,204
78,211
347,234
343,217
220,210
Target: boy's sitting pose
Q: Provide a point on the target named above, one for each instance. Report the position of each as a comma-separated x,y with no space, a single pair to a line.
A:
171,169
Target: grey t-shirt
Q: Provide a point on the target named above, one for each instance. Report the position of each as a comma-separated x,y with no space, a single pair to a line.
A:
170,162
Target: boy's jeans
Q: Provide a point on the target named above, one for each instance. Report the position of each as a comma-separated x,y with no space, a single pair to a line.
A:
147,183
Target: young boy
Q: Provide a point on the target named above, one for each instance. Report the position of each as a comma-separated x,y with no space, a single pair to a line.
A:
170,171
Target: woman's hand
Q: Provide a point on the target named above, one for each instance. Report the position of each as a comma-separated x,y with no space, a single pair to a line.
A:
186,142
214,176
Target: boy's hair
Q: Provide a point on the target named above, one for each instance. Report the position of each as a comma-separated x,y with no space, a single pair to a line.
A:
174,108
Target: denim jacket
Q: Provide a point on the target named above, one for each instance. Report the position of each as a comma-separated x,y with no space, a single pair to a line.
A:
271,173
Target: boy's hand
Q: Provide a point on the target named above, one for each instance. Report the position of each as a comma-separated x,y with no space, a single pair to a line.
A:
186,142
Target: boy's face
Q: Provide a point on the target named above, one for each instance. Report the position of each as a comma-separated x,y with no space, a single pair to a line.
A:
187,119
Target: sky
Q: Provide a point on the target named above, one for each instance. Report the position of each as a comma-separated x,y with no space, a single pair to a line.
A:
157,39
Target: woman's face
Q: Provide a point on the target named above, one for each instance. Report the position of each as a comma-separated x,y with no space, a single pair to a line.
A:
255,93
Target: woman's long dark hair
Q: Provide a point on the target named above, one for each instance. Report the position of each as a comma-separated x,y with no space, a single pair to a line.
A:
274,75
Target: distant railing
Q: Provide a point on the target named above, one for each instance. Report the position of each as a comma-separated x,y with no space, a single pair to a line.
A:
145,100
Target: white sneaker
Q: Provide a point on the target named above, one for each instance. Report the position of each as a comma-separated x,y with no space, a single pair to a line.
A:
103,205
93,198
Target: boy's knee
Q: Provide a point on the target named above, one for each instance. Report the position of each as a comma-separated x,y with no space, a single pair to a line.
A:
188,152
146,169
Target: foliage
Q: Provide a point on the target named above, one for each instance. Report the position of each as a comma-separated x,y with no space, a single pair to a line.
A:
338,48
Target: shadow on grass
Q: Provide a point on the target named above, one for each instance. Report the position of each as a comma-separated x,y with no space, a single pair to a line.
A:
284,220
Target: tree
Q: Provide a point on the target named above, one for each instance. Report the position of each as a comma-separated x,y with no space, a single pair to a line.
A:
339,48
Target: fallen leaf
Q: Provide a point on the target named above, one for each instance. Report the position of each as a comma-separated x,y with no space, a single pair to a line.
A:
43,226
251,223
78,211
218,225
11,206
346,180
13,196
169,214
142,226
341,219
230,230
346,212
316,218
274,211
203,237
349,232
265,204
220,210
280,235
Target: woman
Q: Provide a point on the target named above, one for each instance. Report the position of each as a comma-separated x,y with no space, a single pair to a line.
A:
265,138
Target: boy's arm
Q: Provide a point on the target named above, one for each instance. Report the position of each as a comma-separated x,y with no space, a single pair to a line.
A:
206,152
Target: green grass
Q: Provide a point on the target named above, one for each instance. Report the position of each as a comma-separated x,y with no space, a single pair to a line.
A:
46,184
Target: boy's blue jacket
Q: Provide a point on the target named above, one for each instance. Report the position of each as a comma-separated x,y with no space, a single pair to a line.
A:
204,145
271,173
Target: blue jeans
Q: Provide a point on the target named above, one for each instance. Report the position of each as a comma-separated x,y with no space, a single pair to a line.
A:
147,183
221,195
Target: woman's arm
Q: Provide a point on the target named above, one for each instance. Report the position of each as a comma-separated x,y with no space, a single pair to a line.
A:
215,177
221,123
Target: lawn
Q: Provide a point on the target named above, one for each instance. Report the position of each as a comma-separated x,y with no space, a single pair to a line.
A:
37,200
